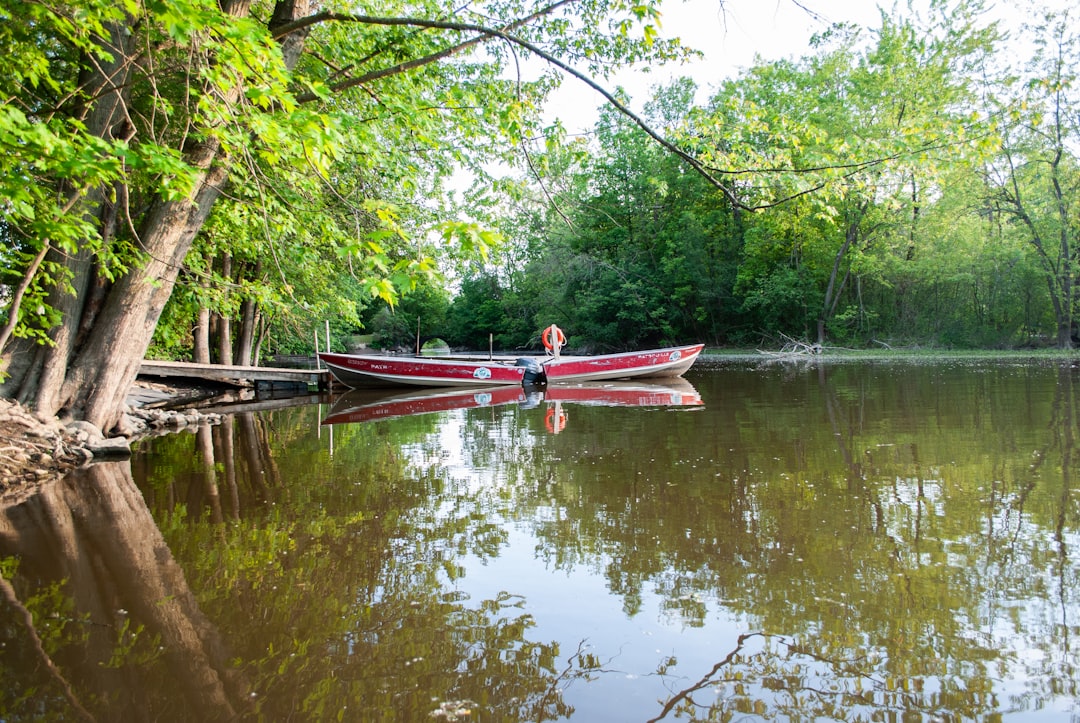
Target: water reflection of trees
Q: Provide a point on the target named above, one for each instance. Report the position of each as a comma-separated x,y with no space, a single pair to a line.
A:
306,593
881,572
924,528
112,610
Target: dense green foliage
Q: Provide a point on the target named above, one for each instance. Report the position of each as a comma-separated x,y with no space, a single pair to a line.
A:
909,183
897,185
217,178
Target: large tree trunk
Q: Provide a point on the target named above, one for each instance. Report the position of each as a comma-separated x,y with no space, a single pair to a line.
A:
99,376
38,381
100,346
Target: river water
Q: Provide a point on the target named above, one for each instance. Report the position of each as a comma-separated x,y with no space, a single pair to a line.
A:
764,541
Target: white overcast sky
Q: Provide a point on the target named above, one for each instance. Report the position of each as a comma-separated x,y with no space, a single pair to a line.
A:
732,32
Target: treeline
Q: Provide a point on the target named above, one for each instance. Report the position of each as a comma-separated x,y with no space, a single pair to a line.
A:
911,184
216,178
202,179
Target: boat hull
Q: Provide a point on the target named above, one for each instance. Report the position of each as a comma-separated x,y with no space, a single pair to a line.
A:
361,371
655,363
364,370
374,405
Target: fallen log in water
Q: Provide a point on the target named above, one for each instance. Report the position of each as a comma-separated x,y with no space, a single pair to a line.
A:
793,349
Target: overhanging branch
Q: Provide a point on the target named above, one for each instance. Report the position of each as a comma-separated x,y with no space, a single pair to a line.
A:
482,34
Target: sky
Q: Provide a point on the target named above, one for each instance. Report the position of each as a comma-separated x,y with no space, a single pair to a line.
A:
731,33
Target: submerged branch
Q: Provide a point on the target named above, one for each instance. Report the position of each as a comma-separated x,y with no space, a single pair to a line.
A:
7,592
705,679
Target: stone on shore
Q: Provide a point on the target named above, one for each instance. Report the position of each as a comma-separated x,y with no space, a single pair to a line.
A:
110,448
35,448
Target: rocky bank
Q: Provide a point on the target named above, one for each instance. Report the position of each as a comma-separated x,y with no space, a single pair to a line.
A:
35,449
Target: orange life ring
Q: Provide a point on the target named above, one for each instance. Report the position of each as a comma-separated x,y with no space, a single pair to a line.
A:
553,335
552,423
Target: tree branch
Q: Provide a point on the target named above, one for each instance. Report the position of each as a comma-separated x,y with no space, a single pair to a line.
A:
16,299
483,34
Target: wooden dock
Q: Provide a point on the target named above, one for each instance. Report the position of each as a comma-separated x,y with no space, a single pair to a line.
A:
237,375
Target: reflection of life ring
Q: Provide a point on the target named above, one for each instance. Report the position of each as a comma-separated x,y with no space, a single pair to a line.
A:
553,336
553,422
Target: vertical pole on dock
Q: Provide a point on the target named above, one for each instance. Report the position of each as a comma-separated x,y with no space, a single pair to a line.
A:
491,346
328,335
317,364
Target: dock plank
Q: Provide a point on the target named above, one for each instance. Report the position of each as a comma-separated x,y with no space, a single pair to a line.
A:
233,374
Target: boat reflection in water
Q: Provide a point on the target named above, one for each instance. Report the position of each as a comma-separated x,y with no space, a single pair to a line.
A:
370,405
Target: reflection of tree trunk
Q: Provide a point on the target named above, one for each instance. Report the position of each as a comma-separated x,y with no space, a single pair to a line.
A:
255,446
1068,419
204,442
249,447
829,395
224,434
256,451
271,466
843,438
95,530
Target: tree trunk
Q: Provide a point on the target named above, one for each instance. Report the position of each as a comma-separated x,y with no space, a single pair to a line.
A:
99,376
201,337
248,322
105,81
264,329
90,379
225,349
246,340
833,290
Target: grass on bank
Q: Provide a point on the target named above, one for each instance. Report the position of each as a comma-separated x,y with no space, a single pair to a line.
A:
892,354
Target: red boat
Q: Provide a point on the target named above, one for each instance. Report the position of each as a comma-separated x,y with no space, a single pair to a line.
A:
374,370
367,370
671,362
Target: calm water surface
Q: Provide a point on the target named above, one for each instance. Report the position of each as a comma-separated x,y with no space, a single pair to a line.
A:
855,541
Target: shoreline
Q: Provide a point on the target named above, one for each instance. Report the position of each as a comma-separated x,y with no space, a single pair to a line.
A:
36,449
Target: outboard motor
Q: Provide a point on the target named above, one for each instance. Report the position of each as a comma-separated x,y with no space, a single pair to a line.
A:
534,372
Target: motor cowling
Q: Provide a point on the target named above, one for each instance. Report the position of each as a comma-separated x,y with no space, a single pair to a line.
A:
534,372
